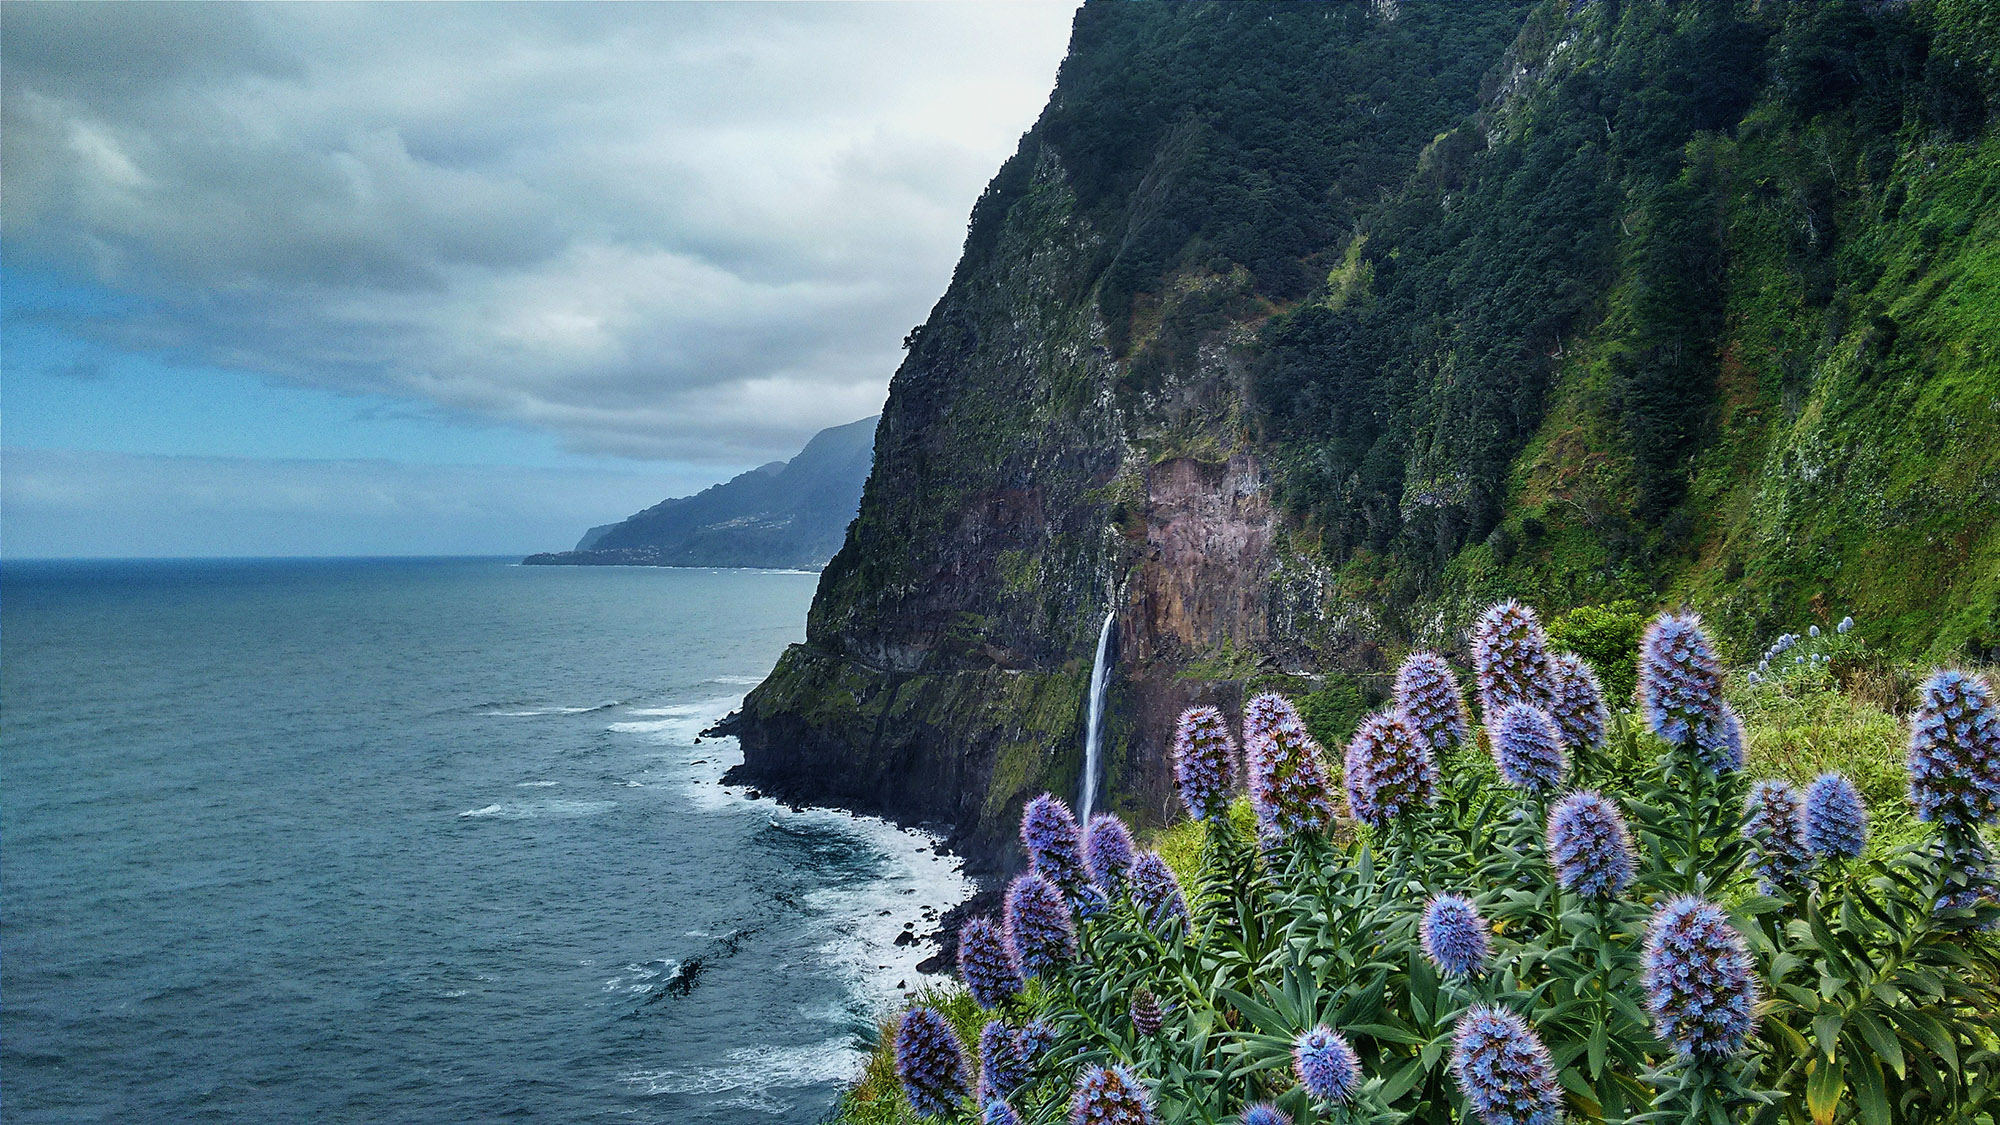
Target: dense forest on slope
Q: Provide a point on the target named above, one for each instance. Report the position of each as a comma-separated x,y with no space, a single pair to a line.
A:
1294,332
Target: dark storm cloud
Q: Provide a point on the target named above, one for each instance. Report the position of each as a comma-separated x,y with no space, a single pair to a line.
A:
692,231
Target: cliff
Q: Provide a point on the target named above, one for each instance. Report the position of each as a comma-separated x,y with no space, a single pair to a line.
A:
784,514
1293,332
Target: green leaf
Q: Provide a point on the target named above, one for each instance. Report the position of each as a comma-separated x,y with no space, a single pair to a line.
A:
1824,1084
1402,1081
1826,1031
1871,1095
1881,1039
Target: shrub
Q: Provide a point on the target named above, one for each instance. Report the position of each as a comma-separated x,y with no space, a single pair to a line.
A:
1510,954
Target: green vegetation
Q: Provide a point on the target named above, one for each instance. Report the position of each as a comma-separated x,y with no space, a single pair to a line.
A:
1683,313
1877,1008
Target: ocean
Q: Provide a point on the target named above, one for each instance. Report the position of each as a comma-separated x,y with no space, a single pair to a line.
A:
422,840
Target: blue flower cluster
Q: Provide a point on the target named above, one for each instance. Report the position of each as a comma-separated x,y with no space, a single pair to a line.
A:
998,1112
1590,846
1107,852
1955,750
1577,703
1039,924
1718,744
1698,980
1054,843
1110,1095
1527,749
1428,699
987,964
1774,819
1003,1065
1288,782
1326,1064
1454,935
1389,772
1037,1037
1510,658
1503,1069
1204,762
1836,818
931,1062
1264,1113
1680,681
1156,890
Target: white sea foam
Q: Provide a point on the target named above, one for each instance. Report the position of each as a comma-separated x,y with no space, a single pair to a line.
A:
860,947
677,724
536,784
829,1061
745,681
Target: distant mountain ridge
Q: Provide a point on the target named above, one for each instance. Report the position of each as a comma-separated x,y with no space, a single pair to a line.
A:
784,514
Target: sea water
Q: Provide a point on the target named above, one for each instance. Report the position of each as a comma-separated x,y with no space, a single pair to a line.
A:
422,840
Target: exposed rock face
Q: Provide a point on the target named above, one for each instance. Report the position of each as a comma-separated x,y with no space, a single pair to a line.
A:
1293,330
1027,480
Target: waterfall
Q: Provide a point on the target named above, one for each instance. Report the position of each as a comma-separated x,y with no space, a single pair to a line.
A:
1093,730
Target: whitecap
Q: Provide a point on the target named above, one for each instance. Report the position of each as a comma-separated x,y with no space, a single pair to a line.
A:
536,784
827,1062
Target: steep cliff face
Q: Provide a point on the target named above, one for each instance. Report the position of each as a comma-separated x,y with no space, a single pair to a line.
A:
1293,331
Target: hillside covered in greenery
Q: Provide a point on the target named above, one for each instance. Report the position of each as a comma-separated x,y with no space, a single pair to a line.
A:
1294,333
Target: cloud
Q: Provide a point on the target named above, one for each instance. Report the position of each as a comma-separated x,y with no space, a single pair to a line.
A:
86,504
695,232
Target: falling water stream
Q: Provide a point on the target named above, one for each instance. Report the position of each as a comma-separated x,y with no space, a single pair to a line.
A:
1093,731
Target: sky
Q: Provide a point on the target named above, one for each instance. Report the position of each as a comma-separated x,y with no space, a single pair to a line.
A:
323,279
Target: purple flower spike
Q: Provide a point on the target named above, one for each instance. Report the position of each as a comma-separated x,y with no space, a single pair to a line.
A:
1836,818
1590,846
1054,843
1266,713
1955,750
1510,658
1110,1095
1774,817
1389,771
1037,1038
1680,681
1718,743
1147,1015
986,963
1428,699
1288,785
1698,979
1107,852
1204,762
1528,750
998,1112
1003,1065
1577,704
1039,925
1326,1064
1264,1113
1156,890
1454,935
931,1062
1503,1069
